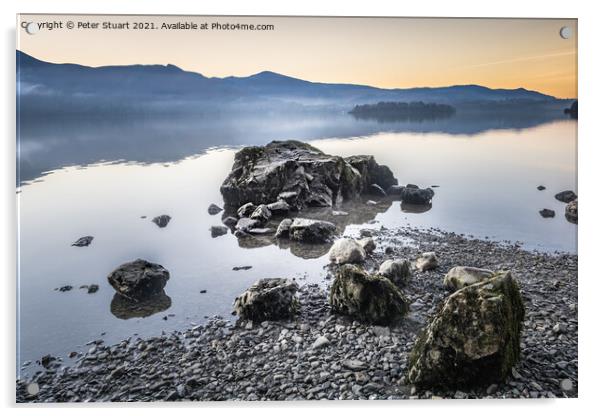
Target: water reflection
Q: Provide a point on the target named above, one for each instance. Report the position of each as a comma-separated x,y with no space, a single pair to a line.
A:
123,308
415,208
48,144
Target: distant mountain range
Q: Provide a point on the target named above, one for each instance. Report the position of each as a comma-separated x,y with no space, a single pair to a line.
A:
80,87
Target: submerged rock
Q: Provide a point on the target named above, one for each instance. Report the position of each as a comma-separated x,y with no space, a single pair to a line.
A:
214,209
138,279
162,220
83,241
566,196
311,231
268,300
571,211
541,188
473,339
411,194
346,250
369,298
547,213
427,261
397,271
301,175
461,276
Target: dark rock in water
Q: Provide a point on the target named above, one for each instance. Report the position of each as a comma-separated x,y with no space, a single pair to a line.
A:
311,231
541,188
571,212
93,288
301,175
261,214
368,298
162,220
203,291
246,210
375,189
280,207
83,241
138,279
566,196
245,223
218,230
124,308
214,209
415,195
547,213
236,268
474,339
283,228
47,361
415,208
268,300
230,222
65,288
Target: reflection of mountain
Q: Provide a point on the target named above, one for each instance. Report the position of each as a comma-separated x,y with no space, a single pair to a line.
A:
359,212
124,308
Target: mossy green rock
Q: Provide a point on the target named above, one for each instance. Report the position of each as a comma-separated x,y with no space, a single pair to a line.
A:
268,300
473,339
368,298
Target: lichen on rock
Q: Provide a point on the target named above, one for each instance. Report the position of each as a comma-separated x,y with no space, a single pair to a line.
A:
474,338
368,298
268,300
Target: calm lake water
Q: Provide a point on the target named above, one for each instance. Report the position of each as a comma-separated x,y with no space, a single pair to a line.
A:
98,178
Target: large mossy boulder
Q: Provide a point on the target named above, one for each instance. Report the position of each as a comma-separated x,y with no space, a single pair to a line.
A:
268,300
138,279
474,338
301,175
368,298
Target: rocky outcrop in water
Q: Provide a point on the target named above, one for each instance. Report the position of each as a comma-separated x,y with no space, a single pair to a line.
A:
300,175
473,339
571,211
268,300
138,279
368,298
461,276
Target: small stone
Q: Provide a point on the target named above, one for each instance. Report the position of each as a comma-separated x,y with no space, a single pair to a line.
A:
83,241
566,385
162,220
93,288
218,230
320,342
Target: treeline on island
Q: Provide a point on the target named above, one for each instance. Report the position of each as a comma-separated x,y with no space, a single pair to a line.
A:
393,111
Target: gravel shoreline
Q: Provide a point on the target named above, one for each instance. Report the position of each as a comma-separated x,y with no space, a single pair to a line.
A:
225,360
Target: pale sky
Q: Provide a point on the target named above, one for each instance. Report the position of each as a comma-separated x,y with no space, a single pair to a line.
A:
383,52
